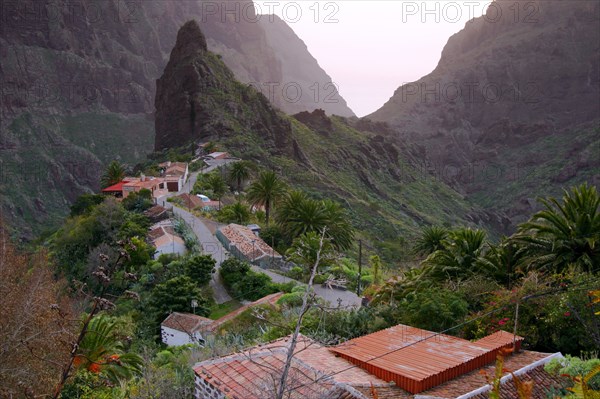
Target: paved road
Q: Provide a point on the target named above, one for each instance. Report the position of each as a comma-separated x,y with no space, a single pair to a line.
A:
333,296
212,246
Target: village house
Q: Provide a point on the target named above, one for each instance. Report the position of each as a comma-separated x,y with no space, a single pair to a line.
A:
115,190
244,244
164,239
175,175
202,202
185,328
401,362
155,185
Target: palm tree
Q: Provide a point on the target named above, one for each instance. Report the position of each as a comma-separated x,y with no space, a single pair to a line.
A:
459,257
430,240
238,173
338,224
267,189
100,351
298,214
505,258
114,173
237,213
217,185
563,234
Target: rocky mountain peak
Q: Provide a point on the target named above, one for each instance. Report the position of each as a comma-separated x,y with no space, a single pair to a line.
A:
190,39
199,99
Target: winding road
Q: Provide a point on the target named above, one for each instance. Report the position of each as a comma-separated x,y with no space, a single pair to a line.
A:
210,245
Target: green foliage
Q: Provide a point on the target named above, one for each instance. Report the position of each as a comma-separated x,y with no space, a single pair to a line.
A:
85,203
71,244
115,172
138,201
102,351
267,189
189,237
200,268
309,248
459,256
239,172
233,270
243,283
553,316
238,213
563,234
298,214
176,295
575,367
253,286
134,225
430,240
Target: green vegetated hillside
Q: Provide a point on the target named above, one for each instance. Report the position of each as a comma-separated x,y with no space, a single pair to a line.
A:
388,198
85,76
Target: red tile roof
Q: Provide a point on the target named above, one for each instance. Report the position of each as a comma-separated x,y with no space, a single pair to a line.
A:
115,187
416,359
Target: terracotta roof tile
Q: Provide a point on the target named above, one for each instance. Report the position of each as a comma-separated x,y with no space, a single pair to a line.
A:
244,239
417,359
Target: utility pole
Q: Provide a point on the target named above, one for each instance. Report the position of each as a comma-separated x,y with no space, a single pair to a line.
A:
359,267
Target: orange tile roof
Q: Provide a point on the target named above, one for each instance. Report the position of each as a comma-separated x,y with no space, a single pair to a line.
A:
325,367
416,359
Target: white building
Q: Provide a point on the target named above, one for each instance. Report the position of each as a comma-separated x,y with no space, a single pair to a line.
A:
183,329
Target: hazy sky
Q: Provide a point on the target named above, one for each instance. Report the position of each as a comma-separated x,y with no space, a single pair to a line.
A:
371,47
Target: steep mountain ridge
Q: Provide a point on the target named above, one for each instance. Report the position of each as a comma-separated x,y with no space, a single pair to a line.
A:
80,76
512,111
348,160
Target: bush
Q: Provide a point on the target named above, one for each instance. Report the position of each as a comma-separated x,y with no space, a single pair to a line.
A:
575,367
253,286
138,201
293,299
233,270
200,268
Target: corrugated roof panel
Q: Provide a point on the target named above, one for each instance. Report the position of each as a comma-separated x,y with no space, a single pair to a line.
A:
417,359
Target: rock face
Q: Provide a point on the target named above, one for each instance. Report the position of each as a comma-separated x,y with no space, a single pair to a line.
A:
82,75
305,86
199,99
513,108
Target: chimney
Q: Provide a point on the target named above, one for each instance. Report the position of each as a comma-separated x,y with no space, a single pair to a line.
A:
143,177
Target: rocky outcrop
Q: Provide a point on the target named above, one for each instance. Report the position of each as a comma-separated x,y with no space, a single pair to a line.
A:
512,105
199,99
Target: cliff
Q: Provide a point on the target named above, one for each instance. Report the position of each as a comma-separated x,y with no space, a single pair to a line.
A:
512,110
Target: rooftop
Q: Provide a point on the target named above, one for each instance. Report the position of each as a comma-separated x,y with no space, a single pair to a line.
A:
317,368
185,322
248,243
115,187
417,360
